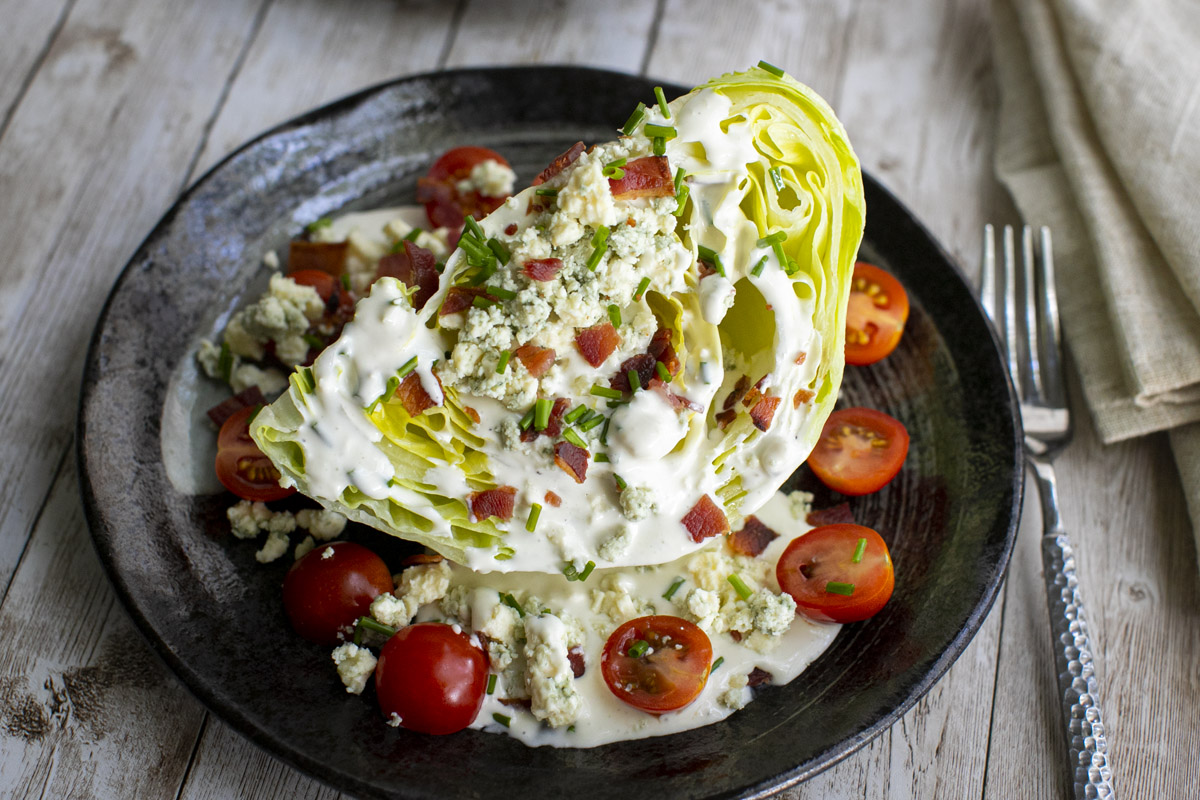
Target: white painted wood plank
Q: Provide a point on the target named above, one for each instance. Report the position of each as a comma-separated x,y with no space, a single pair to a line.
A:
28,29
82,697
609,34
96,152
226,765
310,52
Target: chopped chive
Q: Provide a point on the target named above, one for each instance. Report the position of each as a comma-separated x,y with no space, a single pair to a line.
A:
776,179
600,237
545,192
664,374
500,249
777,247
491,687
482,302
367,623
643,285
771,68
599,245
397,247
621,484
225,363
487,268
439,266
778,237
635,382
412,235
305,374
534,513
503,719
678,179
716,665
636,117
758,268
408,367
601,458
501,292
591,423
638,649
662,102
505,355
472,246
526,420
859,551
604,431
254,413
569,572
469,224
574,438
541,413
588,416
660,131
613,168
680,198
837,587
312,340
512,603
712,257
673,588
575,413
614,315
587,570
739,586
604,391
659,145
792,267
346,281
317,224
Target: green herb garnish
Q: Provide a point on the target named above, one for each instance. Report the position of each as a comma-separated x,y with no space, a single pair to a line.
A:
491,687
660,131
225,363
771,68
716,664
758,268
541,413
574,438
501,292
502,365
512,603
603,391
641,289
673,588
592,422
635,382
636,117
837,587
500,249
526,420
638,649
776,179
412,235
664,374
859,550
575,413
503,719
662,102
318,224
740,586
534,513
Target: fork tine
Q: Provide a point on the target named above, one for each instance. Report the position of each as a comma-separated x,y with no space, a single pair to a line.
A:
987,275
1010,310
1053,383
1034,388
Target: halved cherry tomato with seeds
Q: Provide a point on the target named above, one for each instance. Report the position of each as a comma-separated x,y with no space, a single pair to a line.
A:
876,315
657,664
241,466
445,205
859,451
837,573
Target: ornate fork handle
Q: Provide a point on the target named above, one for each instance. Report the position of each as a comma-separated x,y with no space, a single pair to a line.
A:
1077,684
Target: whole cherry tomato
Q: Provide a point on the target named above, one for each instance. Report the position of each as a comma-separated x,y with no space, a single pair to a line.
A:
332,586
837,573
432,678
657,664
876,315
241,466
859,451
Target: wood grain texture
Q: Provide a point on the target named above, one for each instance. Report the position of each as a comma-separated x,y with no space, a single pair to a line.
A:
226,766
29,30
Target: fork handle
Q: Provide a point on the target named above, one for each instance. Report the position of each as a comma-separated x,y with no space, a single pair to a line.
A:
1077,685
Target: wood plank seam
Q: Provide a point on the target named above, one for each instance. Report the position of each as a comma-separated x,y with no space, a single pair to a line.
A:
36,518
652,38
1002,600
187,771
36,66
451,35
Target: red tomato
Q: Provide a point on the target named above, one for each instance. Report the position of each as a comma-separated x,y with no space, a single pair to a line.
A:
669,674
332,586
876,315
859,451
819,572
432,678
445,206
241,466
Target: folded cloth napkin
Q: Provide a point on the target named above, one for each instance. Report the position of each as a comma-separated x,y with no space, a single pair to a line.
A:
1099,138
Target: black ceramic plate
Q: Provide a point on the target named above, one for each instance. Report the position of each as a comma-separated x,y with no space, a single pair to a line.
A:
214,614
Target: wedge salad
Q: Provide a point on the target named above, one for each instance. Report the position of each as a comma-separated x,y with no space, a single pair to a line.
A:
582,399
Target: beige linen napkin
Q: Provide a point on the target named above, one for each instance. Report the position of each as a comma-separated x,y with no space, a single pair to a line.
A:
1099,138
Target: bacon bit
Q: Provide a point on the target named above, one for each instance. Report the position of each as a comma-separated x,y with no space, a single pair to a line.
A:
764,411
800,358
553,425
753,538
537,360
739,391
497,503
643,364
517,702
472,413
735,635
597,342
758,677
752,396
572,460
326,256
677,401
422,558
511,229
460,298
575,656
440,203
837,515
662,350
802,396
724,418
542,269
553,500
413,396
649,176
706,269
561,163
631,222
251,396
536,205
414,266
706,519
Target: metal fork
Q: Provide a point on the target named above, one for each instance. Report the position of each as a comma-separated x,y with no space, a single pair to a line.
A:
1034,352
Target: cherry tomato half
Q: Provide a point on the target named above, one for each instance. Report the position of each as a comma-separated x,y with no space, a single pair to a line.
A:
859,451
819,571
657,664
332,586
241,466
876,315
432,678
445,205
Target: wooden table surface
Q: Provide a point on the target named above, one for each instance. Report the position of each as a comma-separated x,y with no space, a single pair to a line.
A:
109,108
